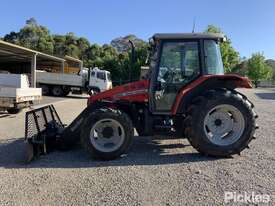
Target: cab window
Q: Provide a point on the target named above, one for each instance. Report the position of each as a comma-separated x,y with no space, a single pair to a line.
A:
109,76
179,64
101,75
213,58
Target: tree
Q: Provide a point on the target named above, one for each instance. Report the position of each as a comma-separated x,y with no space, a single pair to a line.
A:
241,68
230,56
33,36
59,45
114,58
31,22
71,46
83,44
12,37
258,69
121,44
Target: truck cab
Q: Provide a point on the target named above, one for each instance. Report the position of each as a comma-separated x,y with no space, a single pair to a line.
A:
99,81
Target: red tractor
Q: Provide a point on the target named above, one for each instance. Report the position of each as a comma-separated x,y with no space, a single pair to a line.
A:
186,95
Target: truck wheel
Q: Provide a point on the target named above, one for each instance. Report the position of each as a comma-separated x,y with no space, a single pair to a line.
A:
107,133
13,110
93,91
220,123
57,91
45,90
66,90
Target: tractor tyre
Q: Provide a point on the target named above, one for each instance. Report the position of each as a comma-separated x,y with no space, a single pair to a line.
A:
220,123
107,133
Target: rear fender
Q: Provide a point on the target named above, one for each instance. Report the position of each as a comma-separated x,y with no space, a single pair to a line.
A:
204,83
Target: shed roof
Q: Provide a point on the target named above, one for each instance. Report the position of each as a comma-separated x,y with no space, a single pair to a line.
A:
14,53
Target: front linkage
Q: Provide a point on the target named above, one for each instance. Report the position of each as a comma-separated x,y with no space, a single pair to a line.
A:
42,131
45,132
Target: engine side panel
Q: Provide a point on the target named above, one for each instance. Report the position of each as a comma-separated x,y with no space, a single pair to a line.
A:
132,92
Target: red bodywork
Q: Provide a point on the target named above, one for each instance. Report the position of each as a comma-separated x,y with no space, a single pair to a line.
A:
238,81
138,91
132,92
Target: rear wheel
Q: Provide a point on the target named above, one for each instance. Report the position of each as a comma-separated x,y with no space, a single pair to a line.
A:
57,91
220,123
45,90
107,133
13,110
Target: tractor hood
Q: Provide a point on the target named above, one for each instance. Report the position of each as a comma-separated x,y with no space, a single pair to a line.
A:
132,92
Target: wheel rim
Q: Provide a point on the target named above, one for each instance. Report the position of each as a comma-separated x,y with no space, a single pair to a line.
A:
93,92
224,125
57,91
107,135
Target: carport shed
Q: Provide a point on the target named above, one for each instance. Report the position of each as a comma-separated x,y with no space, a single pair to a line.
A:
18,60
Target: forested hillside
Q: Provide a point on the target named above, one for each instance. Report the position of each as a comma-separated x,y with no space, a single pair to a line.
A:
115,56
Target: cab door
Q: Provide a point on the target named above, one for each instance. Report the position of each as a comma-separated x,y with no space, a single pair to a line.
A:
101,80
178,65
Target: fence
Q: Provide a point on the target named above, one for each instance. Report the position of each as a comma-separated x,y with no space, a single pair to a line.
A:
267,83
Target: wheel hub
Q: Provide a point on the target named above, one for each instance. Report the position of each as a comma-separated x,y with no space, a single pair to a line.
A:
107,132
218,122
224,125
107,135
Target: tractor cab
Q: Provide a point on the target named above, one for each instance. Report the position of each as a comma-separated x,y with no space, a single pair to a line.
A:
177,60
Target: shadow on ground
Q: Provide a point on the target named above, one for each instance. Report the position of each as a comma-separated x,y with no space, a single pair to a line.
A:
6,115
3,114
266,96
52,99
70,96
144,151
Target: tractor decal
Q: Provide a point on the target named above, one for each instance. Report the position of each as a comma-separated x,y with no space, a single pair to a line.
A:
142,91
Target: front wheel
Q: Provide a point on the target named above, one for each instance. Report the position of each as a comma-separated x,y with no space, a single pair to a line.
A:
107,133
93,91
220,123
66,90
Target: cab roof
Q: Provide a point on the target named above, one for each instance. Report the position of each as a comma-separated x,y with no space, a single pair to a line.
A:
216,36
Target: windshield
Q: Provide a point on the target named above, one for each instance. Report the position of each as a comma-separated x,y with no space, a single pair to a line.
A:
109,77
213,59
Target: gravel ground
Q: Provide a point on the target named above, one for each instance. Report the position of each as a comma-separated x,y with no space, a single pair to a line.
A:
157,171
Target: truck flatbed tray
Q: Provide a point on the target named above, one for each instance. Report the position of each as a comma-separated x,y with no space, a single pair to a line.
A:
20,94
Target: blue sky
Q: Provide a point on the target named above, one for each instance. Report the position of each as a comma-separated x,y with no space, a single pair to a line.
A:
249,23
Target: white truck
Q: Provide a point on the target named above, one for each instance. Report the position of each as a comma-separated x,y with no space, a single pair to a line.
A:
15,92
61,84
